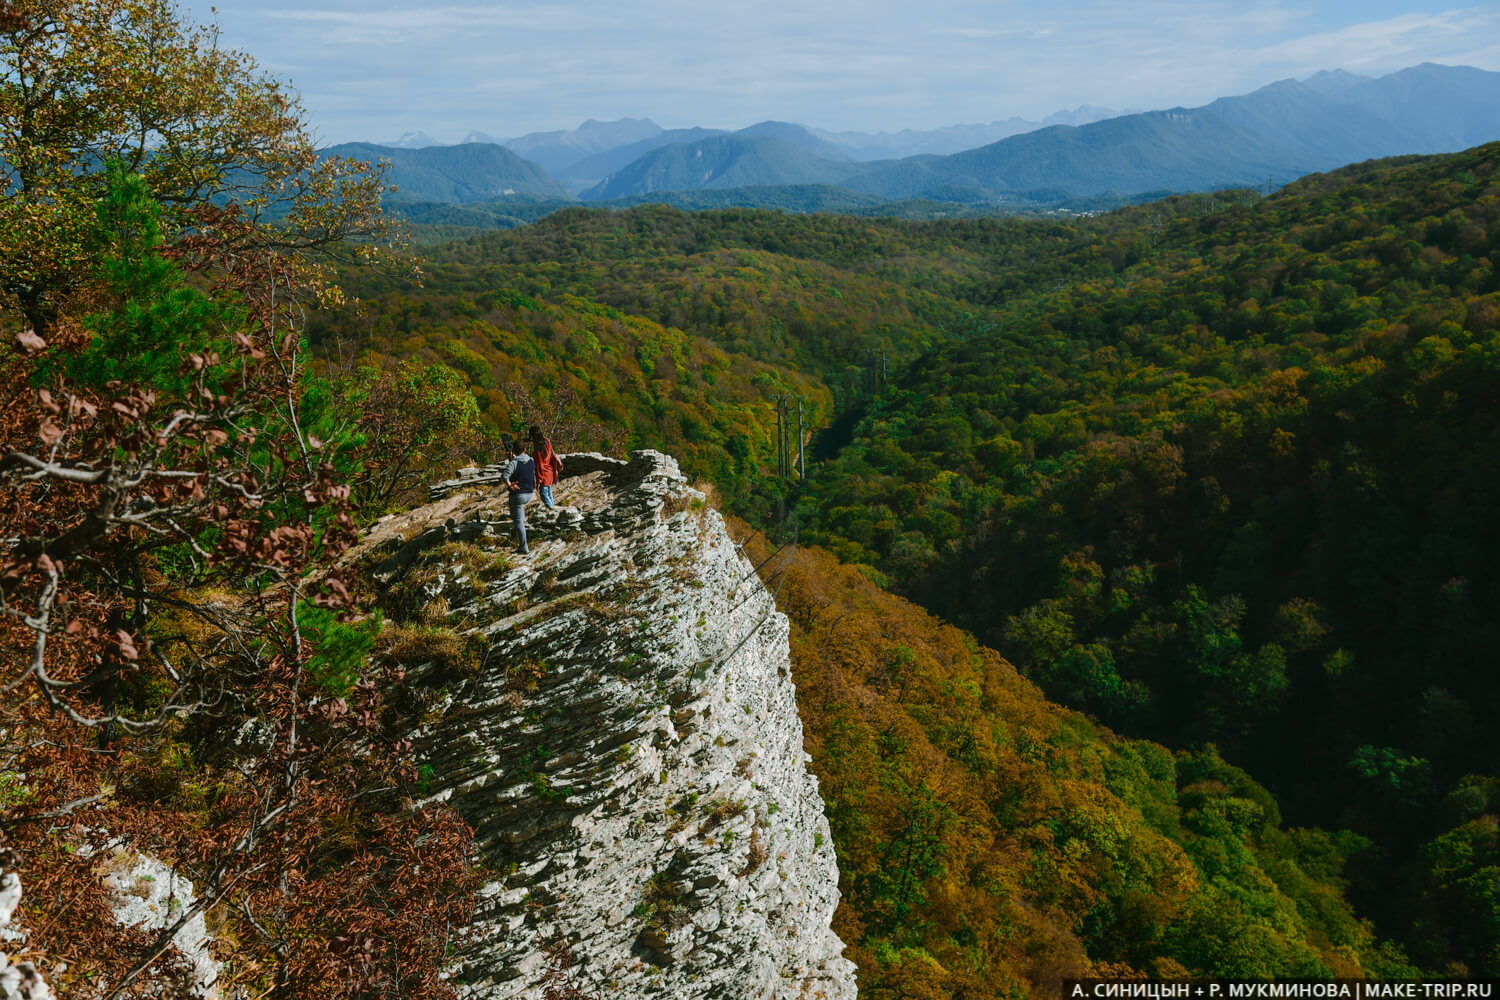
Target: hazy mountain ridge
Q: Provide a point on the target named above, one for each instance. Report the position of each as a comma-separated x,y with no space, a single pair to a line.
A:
1181,149
597,169
601,165
564,152
1329,131
558,150
466,173
800,136
1275,134
956,138
722,162
1280,132
1423,109
412,140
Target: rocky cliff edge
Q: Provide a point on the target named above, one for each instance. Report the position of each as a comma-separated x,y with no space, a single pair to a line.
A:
628,749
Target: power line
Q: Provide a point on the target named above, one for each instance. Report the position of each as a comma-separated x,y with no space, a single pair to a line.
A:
785,461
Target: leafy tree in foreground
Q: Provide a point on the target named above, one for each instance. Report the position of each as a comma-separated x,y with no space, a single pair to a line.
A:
85,83
187,679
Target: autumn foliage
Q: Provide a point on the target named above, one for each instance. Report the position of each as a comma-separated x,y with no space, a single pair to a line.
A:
1214,470
1218,472
1232,486
992,843
186,678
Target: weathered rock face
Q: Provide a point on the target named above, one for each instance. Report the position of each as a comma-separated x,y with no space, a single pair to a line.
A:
143,892
149,894
630,752
19,980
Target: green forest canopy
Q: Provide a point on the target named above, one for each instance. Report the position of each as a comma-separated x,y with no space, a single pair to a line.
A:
1217,470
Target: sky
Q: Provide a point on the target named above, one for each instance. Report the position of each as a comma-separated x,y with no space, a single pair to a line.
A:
374,69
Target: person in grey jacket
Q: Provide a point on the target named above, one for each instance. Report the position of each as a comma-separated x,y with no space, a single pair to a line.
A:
520,477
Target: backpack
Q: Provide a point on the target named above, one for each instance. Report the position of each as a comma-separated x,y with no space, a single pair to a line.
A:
524,475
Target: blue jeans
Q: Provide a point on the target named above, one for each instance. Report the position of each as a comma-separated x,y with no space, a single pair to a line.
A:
518,502
545,492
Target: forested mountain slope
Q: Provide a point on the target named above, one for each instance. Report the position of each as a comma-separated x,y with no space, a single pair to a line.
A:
1237,487
469,172
724,161
1216,470
992,843
600,379
657,327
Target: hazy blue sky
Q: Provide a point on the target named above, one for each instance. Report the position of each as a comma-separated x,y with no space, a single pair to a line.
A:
372,69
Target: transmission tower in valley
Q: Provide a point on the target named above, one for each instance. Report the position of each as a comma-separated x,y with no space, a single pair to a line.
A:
789,408
877,369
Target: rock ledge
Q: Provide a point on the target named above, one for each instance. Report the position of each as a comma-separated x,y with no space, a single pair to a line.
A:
630,753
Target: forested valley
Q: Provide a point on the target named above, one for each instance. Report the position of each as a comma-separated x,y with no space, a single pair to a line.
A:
1141,583
1215,471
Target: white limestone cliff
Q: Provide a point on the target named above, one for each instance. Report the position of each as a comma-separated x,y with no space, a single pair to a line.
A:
18,980
629,753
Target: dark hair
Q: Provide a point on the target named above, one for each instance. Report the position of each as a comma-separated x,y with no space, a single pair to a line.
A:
536,433
517,446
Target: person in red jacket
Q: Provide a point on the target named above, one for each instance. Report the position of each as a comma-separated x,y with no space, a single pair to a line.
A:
548,465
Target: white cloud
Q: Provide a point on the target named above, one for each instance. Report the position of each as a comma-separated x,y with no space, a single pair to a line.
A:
1396,42
977,32
376,68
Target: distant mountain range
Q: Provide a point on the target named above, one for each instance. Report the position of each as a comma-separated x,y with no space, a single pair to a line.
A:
472,172
412,140
559,150
564,152
1276,133
725,161
955,138
590,171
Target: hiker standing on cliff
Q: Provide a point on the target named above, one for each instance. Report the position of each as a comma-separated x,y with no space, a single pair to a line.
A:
548,465
520,477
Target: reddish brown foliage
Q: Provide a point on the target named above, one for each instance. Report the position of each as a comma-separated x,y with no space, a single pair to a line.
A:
186,677
159,559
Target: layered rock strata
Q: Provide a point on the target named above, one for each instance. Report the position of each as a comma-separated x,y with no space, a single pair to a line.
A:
629,753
